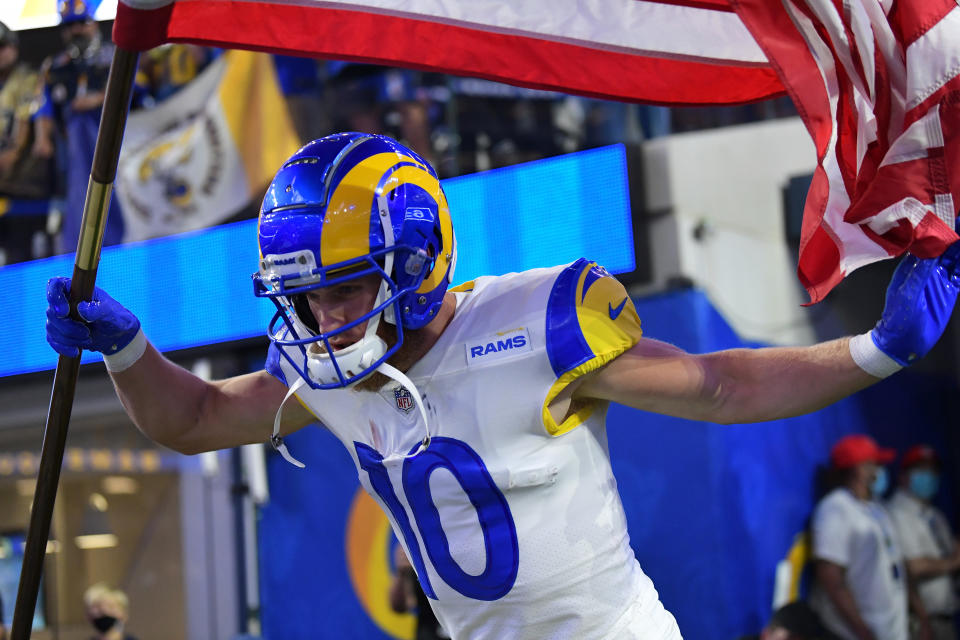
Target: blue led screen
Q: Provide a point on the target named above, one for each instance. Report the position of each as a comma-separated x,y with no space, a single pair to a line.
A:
544,213
194,289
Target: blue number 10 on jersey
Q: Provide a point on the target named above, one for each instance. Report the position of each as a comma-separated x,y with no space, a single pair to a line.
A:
493,512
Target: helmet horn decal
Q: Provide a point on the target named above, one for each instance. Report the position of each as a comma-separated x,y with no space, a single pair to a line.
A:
331,169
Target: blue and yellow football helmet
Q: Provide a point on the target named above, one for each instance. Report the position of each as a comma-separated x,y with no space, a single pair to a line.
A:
343,207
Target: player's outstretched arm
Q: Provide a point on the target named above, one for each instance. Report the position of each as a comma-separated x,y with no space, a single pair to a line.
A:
168,404
751,385
733,386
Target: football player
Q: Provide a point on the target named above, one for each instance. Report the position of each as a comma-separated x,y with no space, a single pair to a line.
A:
523,535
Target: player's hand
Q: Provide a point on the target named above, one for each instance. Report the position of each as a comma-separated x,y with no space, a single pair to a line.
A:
919,302
108,327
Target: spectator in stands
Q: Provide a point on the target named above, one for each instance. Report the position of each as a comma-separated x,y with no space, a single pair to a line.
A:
302,85
21,175
860,587
106,611
18,87
406,594
931,552
170,67
378,99
74,83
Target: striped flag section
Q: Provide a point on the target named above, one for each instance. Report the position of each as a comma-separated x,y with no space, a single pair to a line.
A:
875,81
878,86
622,49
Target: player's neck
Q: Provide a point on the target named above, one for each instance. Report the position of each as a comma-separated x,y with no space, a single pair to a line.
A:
438,325
416,345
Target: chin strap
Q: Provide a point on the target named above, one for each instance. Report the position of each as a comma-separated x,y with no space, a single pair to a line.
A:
276,439
388,370
392,372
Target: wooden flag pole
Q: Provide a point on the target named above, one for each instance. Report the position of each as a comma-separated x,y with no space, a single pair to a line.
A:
116,104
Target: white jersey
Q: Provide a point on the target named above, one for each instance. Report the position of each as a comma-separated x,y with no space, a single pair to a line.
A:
924,532
859,536
512,521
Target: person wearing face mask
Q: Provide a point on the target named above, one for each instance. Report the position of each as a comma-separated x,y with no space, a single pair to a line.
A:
931,552
860,587
106,611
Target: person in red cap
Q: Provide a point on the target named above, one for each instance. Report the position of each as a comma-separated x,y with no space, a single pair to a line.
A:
928,543
860,588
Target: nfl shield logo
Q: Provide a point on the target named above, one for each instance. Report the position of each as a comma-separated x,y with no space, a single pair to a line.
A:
404,399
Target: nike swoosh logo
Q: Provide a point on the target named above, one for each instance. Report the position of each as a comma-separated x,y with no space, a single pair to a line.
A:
615,311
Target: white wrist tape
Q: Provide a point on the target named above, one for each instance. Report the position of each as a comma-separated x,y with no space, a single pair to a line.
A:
868,357
124,358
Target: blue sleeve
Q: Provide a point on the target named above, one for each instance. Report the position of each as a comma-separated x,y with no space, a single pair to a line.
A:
272,365
590,319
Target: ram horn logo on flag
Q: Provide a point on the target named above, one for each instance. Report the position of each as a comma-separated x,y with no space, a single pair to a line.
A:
200,156
876,82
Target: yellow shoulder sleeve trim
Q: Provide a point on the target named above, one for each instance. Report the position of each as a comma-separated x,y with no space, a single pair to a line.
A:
590,321
582,412
462,288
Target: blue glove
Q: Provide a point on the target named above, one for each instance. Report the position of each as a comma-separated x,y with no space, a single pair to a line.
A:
108,326
919,303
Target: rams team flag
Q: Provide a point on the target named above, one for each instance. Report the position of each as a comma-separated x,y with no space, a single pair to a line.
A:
876,82
201,155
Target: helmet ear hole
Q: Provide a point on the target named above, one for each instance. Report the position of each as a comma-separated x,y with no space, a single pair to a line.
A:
435,246
302,309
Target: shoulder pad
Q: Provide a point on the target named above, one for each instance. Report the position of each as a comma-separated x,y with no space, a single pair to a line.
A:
589,316
272,365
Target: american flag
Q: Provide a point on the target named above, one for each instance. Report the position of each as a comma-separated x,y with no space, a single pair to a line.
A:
878,87
877,82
